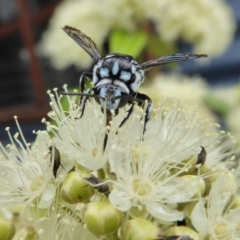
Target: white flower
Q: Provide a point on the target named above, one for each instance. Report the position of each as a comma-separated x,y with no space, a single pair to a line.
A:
189,90
61,224
199,22
221,149
212,217
26,172
148,173
81,139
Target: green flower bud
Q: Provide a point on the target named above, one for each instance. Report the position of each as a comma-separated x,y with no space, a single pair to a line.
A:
101,218
137,212
140,229
182,231
234,202
7,229
75,189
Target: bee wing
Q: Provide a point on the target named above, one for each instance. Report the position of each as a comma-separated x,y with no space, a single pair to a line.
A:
171,58
84,41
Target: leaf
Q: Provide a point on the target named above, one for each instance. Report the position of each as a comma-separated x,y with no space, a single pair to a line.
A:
158,47
128,43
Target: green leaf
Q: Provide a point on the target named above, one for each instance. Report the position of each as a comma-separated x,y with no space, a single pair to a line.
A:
128,43
217,105
158,47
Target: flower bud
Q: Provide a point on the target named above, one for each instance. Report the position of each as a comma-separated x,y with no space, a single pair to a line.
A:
7,229
75,188
102,218
234,202
138,211
140,229
182,231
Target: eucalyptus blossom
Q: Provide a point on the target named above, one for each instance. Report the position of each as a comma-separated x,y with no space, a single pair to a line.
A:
118,183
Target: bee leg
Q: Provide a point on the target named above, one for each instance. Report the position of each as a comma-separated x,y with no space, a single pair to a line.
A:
82,86
82,81
130,111
148,111
83,101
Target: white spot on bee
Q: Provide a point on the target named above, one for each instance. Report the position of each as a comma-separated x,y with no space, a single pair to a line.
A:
98,65
115,68
110,102
109,55
104,72
118,84
133,69
125,76
139,79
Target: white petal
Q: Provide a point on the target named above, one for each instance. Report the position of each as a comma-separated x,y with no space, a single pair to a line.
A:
119,200
47,196
164,213
92,163
233,216
199,218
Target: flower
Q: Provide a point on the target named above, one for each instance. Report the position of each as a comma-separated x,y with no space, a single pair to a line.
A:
213,217
61,224
206,21
81,139
138,178
190,91
26,172
149,173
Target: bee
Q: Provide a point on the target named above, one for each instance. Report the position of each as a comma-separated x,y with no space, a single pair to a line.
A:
55,156
117,77
103,188
202,156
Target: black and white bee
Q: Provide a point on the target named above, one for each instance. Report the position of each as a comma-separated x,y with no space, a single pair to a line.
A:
117,77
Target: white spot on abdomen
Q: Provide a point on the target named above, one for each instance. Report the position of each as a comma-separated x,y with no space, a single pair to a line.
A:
104,72
115,68
125,76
